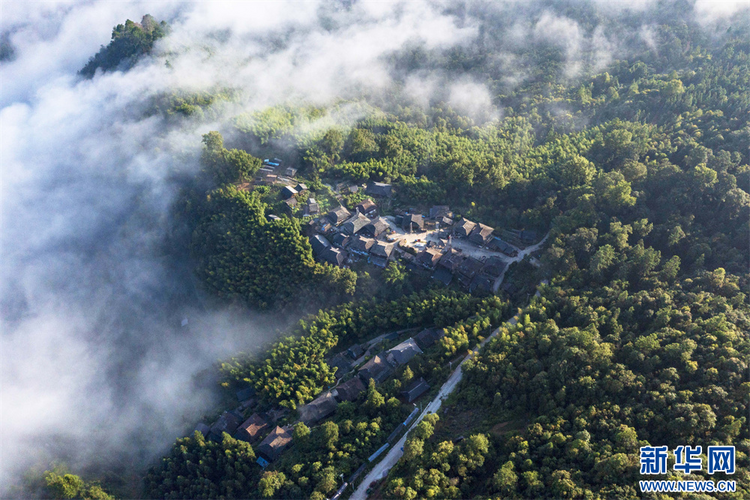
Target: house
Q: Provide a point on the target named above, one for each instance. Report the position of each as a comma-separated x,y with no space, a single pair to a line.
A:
340,240
415,389
349,390
481,282
429,257
510,288
291,172
427,337
377,369
376,227
274,444
481,234
451,260
312,206
318,244
528,237
341,363
444,221
412,222
318,409
498,244
361,245
355,351
402,353
291,203
227,422
274,217
287,192
379,189
338,215
468,269
300,187
440,211
463,228
368,208
382,249
268,179
494,267
355,224
251,429
203,429
443,275
334,256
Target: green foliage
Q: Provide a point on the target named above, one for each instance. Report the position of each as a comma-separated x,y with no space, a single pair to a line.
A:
130,41
226,166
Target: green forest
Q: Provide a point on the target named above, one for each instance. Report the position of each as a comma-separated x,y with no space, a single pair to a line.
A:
640,173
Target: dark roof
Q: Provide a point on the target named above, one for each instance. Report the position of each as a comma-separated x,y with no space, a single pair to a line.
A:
411,222
319,244
227,422
288,192
203,429
481,282
378,189
338,215
349,390
366,206
379,261
341,362
377,368
376,227
355,223
415,389
275,443
481,234
251,429
464,227
494,267
504,247
429,257
300,187
291,202
528,236
361,245
334,256
510,288
312,206
402,353
451,260
470,266
439,211
341,240
318,408
355,351
382,249
443,275
245,393
427,337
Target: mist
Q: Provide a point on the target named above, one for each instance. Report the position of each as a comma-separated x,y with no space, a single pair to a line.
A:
95,277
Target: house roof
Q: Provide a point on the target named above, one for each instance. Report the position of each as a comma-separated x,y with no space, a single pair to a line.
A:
288,191
451,260
338,215
481,282
349,390
439,211
443,275
355,223
227,422
402,353
341,240
203,429
470,266
528,236
378,189
334,256
291,202
504,247
412,221
342,362
360,244
377,368
415,389
251,428
319,244
481,234
366,206
464,227
318,408
275,443
300,187
429,257
382,249
376,227
427,337
494,266
355,351
245,393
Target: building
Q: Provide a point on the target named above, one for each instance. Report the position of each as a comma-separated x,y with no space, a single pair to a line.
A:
312,206
415,389
494,267
498,244
227,422
287,192
251,429
245,394
274,444
376,227
318,409
300,187
203,429
382,249
340,240
290,172
481,282
334,256
427,337
402,353
291,204
355,351
468,269
318,244
463,228
368,208
429,257
338,215
355,224
528,237
443,275
481,234
342,363
361,245
439,211
349,390
451,260
377,369
379,189
412,223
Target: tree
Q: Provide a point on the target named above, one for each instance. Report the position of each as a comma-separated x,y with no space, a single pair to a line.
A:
505,479
270,483
374,399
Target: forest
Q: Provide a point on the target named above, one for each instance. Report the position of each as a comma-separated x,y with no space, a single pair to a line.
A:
640,173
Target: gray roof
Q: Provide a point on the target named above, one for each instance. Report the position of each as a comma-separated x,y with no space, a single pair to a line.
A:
275,443
377,368
288,191
429,257
227,422
251,429
342,362
415,389
443,275
427,337
366,206
341,240
354,224
402,353
376,227
349,390
318,408
382,249
378,189
334,256
361,245
464,227
439,211
412,222
481,234
338,215
319,244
